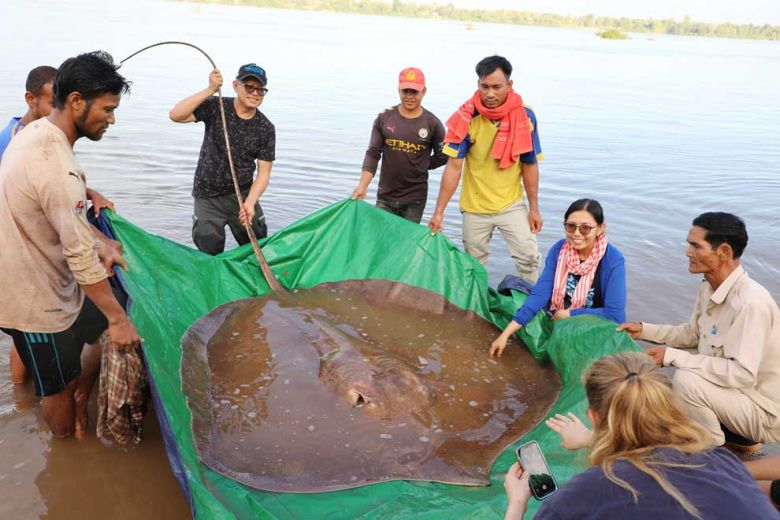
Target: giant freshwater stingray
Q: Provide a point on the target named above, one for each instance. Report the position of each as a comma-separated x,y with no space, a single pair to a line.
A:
354,383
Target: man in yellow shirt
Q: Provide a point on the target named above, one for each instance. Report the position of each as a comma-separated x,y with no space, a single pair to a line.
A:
493,140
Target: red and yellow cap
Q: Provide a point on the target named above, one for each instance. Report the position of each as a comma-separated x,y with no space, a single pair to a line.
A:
411,77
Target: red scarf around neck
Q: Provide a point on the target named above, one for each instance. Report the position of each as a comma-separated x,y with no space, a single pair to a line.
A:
514,129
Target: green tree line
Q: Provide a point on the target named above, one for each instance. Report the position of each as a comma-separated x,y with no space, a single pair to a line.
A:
686,27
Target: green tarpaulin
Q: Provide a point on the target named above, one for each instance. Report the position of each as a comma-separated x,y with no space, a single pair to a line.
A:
172,286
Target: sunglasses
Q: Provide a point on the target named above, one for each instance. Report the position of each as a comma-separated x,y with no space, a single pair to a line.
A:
251,89
571,227
410,92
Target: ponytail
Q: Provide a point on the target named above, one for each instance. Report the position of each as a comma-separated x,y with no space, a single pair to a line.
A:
622,389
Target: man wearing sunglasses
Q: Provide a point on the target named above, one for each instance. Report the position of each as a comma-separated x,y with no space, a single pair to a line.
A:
252,140
409,140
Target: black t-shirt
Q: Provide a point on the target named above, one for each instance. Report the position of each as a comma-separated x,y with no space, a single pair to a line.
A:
408,148
250,140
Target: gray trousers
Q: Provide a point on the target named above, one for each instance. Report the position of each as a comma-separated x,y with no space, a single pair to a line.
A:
213,214
513,224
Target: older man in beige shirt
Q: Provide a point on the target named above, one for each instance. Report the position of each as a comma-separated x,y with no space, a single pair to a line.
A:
733,376
53,264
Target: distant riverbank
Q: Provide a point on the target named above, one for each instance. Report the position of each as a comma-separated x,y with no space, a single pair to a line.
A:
686,27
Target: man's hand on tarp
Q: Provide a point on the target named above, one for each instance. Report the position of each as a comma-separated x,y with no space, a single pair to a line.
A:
99,202
111,254
435,223
634,329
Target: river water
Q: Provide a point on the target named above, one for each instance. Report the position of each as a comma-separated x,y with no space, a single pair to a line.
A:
658,128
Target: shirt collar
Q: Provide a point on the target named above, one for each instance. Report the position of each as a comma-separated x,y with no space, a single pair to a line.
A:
18,125
719,296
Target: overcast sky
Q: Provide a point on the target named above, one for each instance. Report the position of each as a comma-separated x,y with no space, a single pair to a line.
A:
741,11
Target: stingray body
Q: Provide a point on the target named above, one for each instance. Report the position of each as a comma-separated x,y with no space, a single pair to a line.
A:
354,383
369,377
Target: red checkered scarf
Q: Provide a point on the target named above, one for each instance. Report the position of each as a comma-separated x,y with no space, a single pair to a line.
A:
569,262
514,128
124,388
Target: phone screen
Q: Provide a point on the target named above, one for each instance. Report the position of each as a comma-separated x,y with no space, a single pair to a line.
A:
541,480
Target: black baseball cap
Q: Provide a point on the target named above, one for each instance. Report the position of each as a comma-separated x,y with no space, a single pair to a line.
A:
251,70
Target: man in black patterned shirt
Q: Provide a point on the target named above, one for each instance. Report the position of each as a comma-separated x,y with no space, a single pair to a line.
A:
252,138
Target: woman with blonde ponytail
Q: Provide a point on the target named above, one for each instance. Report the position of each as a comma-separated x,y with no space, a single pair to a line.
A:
649,460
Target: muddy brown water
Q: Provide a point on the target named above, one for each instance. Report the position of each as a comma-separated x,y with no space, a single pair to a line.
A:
78,479
353,383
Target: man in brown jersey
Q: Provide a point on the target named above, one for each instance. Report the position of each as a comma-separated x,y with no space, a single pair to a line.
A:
409,139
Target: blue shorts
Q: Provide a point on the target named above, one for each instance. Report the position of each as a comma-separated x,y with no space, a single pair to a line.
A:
54,359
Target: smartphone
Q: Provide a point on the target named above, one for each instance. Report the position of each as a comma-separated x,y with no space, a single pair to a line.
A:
541,480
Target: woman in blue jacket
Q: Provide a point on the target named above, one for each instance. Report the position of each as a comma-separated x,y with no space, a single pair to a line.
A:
583,274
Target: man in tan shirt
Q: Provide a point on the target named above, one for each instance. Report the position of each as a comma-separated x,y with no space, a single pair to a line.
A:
38,97
54,265
728,354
